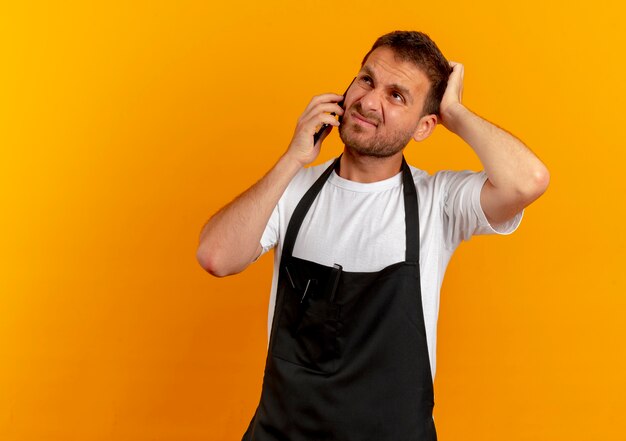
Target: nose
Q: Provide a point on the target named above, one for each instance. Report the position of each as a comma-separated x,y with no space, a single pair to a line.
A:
371,103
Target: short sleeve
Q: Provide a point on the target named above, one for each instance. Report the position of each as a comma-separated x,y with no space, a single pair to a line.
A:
463,214
269,239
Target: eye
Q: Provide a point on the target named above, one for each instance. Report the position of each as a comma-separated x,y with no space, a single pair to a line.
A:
396,96
366,79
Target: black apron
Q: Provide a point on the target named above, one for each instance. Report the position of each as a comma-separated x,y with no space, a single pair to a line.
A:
347,357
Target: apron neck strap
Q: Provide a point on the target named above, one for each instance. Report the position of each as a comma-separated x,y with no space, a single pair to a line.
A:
411,215
411,212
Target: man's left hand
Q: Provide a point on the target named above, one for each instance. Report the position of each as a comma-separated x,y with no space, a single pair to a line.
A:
452,96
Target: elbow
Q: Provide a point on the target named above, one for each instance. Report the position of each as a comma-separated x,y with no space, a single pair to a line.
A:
210,262
534,186
541,180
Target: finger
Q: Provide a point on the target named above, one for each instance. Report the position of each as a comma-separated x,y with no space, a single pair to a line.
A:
324,119
327,108
456,67
327,97
324,98
321,108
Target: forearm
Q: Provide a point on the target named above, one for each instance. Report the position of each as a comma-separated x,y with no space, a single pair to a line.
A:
509,164
230,240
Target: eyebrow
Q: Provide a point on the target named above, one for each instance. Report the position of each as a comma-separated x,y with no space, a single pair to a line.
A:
397,87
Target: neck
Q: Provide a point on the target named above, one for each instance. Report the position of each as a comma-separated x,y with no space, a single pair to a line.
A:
366,169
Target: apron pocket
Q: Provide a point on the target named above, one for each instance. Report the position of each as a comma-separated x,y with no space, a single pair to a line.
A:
308,330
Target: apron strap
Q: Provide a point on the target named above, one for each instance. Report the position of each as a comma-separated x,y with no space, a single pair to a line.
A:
411,215
301,210
411,212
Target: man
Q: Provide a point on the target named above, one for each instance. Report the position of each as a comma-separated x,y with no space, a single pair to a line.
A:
362,243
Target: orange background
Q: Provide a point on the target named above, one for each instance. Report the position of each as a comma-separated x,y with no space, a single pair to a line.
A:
125,126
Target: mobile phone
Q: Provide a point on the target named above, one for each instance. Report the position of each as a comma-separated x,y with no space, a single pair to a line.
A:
317,135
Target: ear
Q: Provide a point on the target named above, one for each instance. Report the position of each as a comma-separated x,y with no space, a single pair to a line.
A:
425,127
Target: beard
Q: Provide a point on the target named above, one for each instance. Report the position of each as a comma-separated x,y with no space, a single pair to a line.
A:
355,137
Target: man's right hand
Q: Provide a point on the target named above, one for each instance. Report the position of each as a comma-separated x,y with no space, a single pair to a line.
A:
316,113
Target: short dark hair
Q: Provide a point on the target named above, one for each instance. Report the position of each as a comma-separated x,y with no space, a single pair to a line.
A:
419,49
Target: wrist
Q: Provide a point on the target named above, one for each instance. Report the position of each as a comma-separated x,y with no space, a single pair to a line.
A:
453,115
290,162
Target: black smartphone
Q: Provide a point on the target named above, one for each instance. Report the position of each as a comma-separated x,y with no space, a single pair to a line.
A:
317,135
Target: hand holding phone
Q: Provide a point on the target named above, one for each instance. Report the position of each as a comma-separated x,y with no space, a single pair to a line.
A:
319,133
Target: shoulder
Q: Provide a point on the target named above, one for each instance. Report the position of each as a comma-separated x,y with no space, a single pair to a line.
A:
419,176
302,181
308,175
446,180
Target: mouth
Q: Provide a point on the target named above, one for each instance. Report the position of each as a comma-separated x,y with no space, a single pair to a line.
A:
363,121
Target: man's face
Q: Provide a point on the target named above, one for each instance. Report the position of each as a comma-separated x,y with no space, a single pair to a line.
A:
383,105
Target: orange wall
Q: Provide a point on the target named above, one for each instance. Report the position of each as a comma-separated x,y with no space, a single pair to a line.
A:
123,128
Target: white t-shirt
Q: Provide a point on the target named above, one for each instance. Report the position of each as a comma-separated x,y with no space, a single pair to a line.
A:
362,227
